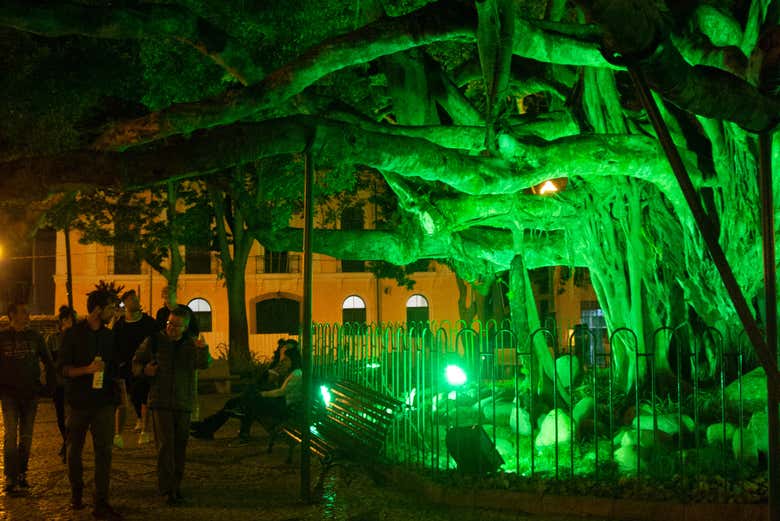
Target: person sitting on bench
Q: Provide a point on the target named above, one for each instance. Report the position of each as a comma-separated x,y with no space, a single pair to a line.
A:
275,404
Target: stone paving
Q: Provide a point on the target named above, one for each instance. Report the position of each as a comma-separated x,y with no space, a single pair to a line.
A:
222,482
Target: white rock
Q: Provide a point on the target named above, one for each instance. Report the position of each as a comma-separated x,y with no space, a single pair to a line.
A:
625,457
749,452
520,421
759,426
715,433
547,434
583,409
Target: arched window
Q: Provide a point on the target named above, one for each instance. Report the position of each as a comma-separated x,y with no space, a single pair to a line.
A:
202,311
417,310
353,310
278,315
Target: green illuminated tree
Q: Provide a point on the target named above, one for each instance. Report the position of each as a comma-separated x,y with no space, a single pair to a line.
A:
462,108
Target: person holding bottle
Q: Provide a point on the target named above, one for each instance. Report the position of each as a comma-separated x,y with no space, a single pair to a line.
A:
88,362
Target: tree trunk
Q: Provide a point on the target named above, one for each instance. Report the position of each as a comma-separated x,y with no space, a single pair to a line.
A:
229,216
238,354
525,320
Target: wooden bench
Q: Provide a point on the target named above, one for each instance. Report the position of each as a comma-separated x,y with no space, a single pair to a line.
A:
354,424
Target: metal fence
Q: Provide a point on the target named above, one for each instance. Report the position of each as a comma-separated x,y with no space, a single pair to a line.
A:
563,415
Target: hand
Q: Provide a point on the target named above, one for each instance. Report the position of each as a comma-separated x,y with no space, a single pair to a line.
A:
200,342
151,368
96,366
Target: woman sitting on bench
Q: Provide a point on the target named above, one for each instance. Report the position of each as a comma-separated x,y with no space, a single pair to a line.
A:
274,404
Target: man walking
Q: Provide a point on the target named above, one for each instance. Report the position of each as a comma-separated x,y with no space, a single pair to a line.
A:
88,362
21,351
130,330
169,359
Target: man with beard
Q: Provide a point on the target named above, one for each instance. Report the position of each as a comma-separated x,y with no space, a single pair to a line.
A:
88,362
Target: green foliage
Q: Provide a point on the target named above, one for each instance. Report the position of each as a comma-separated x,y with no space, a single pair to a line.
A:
386,270
139,222
176,73
51,95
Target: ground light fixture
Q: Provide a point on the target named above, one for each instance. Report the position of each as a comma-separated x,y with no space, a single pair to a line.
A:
455,375
325,392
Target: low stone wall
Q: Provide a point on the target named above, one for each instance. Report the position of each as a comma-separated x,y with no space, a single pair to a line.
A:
584,506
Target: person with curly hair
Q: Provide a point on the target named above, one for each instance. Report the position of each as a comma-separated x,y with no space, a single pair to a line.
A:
89,349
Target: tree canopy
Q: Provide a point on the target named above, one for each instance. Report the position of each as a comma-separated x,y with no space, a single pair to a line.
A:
464,109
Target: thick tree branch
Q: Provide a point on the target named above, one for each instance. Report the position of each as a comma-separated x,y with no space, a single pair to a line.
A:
523,165
635,33
437,22
494,246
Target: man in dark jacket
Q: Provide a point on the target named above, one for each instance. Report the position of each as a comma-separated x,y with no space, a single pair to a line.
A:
169,359
88,361
21,351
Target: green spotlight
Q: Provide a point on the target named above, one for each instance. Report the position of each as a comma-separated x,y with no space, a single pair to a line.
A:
455,375
325,392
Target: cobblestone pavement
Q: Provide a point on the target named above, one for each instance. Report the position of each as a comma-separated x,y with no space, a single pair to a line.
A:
222,482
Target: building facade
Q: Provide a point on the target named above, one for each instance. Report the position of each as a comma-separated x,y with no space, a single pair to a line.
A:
342,292
274,291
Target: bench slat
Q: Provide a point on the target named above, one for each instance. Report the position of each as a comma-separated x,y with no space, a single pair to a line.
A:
355,422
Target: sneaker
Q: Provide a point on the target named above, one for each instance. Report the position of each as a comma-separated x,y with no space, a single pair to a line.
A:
22,481
138,426
119,443
106,511
144,438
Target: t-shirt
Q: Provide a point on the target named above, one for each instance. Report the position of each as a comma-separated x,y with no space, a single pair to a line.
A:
291,389
80,345
20,354
129,336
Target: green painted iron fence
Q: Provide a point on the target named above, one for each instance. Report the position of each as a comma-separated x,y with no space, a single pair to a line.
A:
554,405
